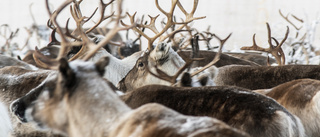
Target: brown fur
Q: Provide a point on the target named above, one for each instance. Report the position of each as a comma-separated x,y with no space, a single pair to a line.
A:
224,59
9,61
300,97
296,93
16,82
251,112
264,77
254,57
148,121
71,108
50,51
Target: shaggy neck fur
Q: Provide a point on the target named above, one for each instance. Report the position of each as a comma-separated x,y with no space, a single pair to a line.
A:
99,104
118,69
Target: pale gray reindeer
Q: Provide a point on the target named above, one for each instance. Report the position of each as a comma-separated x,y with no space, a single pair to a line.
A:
10,61
16,82
82,99
301,98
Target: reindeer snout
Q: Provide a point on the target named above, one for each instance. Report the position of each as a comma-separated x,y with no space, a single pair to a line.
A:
162,46
18,109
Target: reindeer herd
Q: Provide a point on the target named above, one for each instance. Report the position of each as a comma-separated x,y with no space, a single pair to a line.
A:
92,84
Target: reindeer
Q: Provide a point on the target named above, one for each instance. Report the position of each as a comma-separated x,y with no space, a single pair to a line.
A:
49,51
225,59
256,114
265,76
10,61
80,85
254,57
301,98
16,82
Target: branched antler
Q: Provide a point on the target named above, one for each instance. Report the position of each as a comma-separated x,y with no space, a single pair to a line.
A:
275,50
173,79
94,48
288,20
216,58
170,22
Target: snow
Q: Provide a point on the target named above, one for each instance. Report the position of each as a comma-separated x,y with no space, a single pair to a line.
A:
5,123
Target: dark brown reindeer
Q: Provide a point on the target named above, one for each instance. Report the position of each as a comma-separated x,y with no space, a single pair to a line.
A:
236,106
208,56
301,98
254,57
256,114
81,98
265,77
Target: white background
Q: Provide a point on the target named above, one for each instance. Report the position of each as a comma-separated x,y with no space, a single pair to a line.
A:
241,17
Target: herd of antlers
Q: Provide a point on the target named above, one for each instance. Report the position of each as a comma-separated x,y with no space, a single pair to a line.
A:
79,64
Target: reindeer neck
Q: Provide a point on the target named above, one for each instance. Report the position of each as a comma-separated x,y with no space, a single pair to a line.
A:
101,105
118,69
171,63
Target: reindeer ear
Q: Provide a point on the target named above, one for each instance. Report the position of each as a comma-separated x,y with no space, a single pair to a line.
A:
101,64
67,73
186,80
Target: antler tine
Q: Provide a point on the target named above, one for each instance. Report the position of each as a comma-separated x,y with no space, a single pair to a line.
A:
254,46
279,49
53,17
77,16
276,51
53,40
222,41
152,24
215,59
132,20
43,61
94,12
139,37
173,79
298,19
287,19
109,35
189,17
50,25
102,18
68,32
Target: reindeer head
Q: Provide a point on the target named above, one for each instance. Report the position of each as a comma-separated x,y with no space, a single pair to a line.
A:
58,105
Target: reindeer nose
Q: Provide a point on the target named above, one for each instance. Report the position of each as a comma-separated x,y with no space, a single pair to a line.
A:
162,46
18,109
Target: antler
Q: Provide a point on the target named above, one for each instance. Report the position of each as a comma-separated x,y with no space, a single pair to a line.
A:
170,22
102,17
216,58
94,48
88,48
287,19
275,50
173,79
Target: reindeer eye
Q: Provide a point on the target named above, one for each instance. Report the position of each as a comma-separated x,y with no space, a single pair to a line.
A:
140,64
